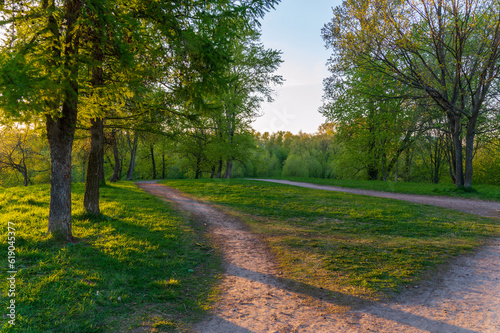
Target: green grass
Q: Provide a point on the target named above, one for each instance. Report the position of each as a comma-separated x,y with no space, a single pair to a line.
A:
484,192
139,265
350,244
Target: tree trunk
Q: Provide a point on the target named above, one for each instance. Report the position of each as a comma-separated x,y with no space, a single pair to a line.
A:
163,166
60,134
469,152
408,159
133,151
151,148
91,197
116,155
456,131
229,169
25,177
219,169
198,167
450,155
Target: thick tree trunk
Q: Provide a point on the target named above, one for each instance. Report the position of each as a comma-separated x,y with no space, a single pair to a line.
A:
91,197
229,169
133,152
60,134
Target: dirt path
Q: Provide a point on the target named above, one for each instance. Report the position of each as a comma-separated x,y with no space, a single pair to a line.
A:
471,206
255,298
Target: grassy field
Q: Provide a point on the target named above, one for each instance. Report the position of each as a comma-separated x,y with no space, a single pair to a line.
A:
140,264
356,245
484,192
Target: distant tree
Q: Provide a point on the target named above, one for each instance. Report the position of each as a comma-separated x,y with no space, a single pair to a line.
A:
21,151
372,119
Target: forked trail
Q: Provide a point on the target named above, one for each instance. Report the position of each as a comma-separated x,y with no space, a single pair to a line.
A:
255,298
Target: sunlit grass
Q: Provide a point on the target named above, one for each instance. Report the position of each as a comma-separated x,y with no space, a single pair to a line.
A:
346,243
485,192
140,264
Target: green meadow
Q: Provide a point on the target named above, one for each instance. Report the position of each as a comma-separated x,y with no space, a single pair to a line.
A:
352,244
138,265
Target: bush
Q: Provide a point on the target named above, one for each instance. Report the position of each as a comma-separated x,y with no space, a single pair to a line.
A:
295,166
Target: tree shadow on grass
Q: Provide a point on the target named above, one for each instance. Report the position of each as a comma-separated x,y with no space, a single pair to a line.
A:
106,278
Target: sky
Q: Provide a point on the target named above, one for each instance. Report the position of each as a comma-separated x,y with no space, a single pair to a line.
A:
294,27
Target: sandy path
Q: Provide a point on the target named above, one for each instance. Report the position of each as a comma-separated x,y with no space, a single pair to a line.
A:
254,298
471,206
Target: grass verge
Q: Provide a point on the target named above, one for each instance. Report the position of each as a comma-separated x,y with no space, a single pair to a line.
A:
356,245
483,192
140,265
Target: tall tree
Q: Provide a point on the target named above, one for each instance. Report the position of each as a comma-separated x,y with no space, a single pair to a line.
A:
39,79
447,50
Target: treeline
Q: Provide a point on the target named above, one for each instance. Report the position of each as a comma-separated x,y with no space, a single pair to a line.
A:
329,153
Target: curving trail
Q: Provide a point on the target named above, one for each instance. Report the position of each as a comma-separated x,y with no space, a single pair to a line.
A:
471,206
255,298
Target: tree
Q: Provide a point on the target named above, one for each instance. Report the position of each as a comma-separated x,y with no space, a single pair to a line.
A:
446,50
375,124
39,79
21,151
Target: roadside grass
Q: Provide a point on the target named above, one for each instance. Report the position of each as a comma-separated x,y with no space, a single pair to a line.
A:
484,192
140,265
356,245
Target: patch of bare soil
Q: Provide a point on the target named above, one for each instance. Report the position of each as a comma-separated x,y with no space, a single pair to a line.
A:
255,298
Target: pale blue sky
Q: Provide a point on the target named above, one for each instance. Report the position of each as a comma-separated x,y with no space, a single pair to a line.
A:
295,28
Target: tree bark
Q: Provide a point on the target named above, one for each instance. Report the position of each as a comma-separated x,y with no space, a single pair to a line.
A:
456,133
229,169
133,152
219,169
60,134
91,197
469,153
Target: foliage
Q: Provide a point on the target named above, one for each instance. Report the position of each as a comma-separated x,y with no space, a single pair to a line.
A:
447,52
137,265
